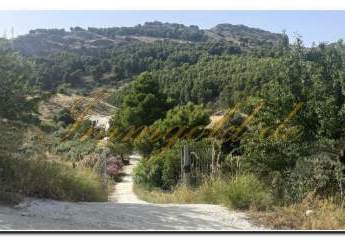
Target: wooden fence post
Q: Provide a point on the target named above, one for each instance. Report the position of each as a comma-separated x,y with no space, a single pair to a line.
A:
213,164
186,165
182,164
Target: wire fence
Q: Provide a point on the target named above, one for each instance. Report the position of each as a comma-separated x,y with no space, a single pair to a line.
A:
199,160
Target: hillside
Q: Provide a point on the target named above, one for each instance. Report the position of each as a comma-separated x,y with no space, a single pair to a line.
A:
85,59
46,41
242,34
77,105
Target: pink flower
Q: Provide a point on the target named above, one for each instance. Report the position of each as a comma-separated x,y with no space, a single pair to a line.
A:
114,166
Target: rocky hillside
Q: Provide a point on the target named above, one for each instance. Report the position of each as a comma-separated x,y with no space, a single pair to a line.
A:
46,41
242,34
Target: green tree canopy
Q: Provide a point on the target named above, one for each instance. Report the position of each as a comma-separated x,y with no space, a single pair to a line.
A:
144,104
15,75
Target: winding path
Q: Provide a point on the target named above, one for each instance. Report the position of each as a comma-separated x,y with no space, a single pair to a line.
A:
123,191
124,212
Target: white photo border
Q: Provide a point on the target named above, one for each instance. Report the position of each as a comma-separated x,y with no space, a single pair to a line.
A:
172,5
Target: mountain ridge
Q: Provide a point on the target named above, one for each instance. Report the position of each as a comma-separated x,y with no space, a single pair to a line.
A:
45,41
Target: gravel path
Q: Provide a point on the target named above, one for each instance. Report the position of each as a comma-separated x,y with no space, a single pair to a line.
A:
124,212
123,191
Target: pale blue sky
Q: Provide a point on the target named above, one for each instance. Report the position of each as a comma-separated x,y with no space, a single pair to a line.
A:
318,26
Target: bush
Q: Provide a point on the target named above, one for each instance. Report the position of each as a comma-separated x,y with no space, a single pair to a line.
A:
149,172
158,135
241,192
246,191
120,149
8,196
48,126
76,150
64,116
318,174
114,166
265,155
79,130
161,170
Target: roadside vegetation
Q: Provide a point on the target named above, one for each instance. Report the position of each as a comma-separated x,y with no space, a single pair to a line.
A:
33,161
28,169
311,213
243,192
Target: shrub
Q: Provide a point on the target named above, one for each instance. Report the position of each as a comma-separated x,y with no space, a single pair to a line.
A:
120,149
149,172
163,130
76,149
240,192
79,130
212,191
95,161
48,126
161,170
8,196
245,191
114,166
318,174
64,116
264,155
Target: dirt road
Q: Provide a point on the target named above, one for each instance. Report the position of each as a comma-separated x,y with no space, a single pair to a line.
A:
124,212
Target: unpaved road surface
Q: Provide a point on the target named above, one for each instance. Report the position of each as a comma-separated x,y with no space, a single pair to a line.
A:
123,191
124,212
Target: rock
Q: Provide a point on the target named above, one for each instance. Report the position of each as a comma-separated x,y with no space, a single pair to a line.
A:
309,213
26,214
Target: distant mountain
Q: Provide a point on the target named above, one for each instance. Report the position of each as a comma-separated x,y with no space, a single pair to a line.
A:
47,41
242,34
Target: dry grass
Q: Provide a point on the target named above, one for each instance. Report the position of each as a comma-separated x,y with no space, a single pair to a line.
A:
243,192
27,168
49,108
181,194
323,214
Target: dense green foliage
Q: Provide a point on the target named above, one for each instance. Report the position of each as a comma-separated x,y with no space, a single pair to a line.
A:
15,77
143,104
161,170
166,131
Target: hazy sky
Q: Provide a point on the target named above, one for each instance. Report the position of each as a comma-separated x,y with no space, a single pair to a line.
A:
315,26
